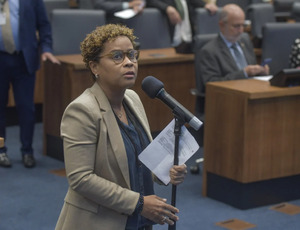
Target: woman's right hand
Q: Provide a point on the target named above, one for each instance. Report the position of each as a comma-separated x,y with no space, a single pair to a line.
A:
157,210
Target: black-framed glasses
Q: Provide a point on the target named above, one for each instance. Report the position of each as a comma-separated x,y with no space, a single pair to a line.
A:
118,56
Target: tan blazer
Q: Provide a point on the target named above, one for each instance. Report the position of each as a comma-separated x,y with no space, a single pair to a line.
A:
99,195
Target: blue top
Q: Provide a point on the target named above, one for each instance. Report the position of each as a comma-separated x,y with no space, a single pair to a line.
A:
135,140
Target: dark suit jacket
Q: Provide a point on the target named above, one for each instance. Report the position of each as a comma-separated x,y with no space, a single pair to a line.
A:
163,4
110,7
33,18
217,63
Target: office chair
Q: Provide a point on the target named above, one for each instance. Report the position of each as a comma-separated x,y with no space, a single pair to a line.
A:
206,23
70,27
151,28
242,3
277,43
199,41
50,5
86,4
283,8
259,14
295,14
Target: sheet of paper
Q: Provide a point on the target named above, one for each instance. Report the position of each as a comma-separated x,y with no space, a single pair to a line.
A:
125,14
159,154
2,18
263,78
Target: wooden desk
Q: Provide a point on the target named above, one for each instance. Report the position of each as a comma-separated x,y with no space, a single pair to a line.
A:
251,142
65,82
148,58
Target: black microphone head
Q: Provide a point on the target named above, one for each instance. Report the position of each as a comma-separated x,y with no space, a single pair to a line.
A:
152,86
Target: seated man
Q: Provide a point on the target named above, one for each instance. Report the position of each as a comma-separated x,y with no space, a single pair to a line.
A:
229,56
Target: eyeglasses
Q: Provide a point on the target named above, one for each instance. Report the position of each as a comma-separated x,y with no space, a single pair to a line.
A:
237,26
118,56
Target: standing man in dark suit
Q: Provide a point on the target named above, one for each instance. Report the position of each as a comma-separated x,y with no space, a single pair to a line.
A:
25,34
219,60
181,14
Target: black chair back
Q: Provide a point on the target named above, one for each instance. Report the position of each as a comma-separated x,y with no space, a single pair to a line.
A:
199,41
277,43
70,27
151,28
50,5
205,22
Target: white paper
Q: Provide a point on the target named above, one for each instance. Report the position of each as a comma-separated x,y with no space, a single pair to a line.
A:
125,14
159,154
2,18
263,78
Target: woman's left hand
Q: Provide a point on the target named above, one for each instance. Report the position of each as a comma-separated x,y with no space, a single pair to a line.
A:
177,174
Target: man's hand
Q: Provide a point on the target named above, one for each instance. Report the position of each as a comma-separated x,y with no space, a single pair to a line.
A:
137,5
49,56
211,7
256,70
173,15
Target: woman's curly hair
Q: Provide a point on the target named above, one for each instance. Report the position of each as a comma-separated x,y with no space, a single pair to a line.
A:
93,44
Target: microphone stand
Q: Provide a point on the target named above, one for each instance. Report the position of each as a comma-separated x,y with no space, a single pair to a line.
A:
179,122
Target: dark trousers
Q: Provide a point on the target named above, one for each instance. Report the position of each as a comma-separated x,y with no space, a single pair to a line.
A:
13,72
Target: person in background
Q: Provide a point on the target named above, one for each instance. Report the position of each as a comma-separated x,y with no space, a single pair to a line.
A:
113,6
181,15
295,54
20,50
103,131
229,56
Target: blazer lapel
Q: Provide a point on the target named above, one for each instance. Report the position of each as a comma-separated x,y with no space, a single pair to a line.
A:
138,114
113,131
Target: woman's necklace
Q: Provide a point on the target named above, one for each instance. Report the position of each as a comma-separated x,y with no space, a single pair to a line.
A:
118,113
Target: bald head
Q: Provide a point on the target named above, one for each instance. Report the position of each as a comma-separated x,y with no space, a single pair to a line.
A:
232,19
231,10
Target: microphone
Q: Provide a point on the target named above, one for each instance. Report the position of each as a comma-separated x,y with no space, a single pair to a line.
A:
155,88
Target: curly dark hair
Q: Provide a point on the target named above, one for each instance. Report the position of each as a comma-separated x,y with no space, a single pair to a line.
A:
92,45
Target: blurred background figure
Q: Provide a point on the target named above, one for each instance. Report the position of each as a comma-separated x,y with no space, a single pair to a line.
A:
181,19
113,6
20,51
230,55
295,54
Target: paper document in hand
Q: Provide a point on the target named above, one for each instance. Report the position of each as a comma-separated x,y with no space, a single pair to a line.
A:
159,154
